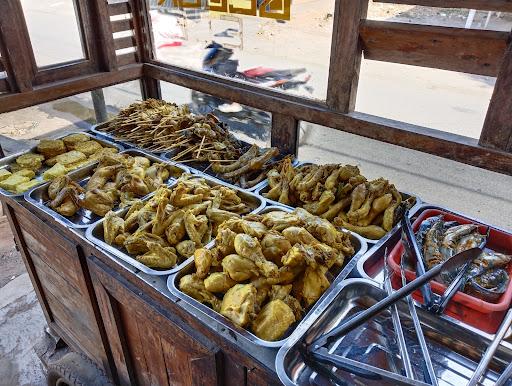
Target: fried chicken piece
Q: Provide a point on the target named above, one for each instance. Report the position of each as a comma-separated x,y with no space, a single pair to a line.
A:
186,248
137,243
254,164
299,235
66,196
282,292
358,196
98,201
219,215
133,184
244,158
180,196
176,231
322,205
218,282
225,241
273,321
249,247
311,285
158,256
389,213
101,175
239,304
194,287
336,208
113,225
203,261
278,220
375,189
196,227
156,175
131,217
253,228
274,246
239,268
378,206
373,232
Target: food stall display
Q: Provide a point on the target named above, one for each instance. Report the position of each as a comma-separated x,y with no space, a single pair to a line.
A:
50,159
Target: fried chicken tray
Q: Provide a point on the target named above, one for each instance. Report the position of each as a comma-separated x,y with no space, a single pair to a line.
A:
87,194
370,354
159,233
267,272
340,194
49,159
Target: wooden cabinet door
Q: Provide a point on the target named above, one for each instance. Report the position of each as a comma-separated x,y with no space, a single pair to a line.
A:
149,347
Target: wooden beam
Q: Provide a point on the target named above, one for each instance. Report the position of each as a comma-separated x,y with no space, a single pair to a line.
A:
143,29
50,92
2,67
486,5
126,59
285,133
497,129
345,54
456,49
447,145
20,62
122,25
4,85
104,39
126,42
119,9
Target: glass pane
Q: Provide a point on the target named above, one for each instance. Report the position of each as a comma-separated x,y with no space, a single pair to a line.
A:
53,26
434,179
444,100
447,17
289,55
247,123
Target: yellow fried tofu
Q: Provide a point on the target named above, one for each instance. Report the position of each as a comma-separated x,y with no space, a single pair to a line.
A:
79,164
88,147
25,173
51,147
71,140
51,161
105,151
55,171
4,174
70,157
23,187
30,161
13,181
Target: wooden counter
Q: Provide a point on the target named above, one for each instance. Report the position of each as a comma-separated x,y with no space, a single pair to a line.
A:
127,322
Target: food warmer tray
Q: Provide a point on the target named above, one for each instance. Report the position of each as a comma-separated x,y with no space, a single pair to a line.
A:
95,232
371,265
263,187
6,161
38,196
203,168
360,247
455,351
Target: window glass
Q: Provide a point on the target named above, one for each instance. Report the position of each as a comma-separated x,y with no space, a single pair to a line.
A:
247,123
290,54
447,17
438,99
476,192
54,30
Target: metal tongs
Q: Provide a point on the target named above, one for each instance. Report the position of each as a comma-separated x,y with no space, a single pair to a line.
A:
433,302
317,350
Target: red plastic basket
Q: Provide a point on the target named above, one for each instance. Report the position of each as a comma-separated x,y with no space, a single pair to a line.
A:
473,311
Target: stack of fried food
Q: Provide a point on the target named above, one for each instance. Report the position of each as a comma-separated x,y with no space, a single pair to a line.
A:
118,178
170,226
160,126
266,269
339,193
250,168
61,155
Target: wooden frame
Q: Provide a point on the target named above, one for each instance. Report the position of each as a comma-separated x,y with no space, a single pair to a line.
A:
472,51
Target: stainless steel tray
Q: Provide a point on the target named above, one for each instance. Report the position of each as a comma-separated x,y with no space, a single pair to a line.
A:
6,161
360,247
95,233
38,196
95,129
264,188
455,352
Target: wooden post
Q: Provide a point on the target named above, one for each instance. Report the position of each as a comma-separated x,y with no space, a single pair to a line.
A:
285,133
103,37
100,109
497,130
346,53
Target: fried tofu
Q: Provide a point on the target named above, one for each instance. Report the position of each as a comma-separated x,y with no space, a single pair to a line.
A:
13,181
4,174
23,187
88,147
55,171
105,151
71,140
30,161
25,173
70,157
51,147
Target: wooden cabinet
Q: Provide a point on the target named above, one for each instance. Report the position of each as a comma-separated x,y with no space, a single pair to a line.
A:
57,268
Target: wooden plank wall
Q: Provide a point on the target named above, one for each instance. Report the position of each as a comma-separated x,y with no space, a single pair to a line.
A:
120,40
